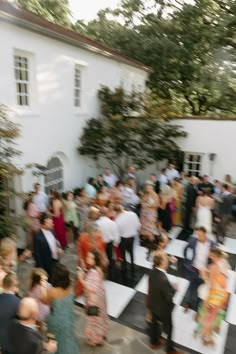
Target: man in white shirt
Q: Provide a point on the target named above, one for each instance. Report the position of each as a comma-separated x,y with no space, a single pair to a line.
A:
40,199
90,188
196,258
163,178
109,178
128,226
110,236
171,172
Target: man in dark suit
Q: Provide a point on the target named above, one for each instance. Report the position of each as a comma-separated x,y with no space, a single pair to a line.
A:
190,201
224,212
196,258
46,250
25,337
160,303
9,304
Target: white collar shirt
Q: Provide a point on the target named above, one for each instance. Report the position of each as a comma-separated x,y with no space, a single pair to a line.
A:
201,255
52,243
128,224
110,180
108,229
172,174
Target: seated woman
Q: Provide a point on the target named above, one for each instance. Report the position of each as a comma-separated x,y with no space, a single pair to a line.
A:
96,323
88,241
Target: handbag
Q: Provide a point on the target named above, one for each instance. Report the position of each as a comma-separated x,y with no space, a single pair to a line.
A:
92,311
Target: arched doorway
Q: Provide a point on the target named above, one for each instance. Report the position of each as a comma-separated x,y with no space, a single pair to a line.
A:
54,178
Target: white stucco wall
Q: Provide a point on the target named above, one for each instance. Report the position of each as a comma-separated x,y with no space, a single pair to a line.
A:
211,136
52,125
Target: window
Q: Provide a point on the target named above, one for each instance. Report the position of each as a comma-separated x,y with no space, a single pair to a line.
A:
22,80
193,164
77,86
54,175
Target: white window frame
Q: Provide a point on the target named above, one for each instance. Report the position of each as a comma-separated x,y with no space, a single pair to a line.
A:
31,108
196,160
77,86
22,79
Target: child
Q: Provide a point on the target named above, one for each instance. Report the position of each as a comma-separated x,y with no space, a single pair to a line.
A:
39,279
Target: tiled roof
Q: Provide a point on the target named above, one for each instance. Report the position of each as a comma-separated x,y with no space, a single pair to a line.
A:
27,19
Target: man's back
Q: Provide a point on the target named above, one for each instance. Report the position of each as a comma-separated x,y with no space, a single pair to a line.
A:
8,311
225,207
25,339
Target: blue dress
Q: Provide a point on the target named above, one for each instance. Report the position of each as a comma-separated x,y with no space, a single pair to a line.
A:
61,323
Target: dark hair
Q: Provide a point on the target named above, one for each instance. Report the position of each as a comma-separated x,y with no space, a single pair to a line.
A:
225,186
37,185
201,228
163,169
36,276
90,180
118,183
60,276
100,188
43,217
206,191
69,192
97,257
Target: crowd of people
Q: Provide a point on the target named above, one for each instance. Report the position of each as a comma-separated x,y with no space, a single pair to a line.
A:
104,221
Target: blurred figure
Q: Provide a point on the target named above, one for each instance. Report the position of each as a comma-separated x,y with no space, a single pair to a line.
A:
205,185
163,177
3,272
171,172
179,190
46,251
109,178
25,337
130,198
100,182
39,278
128,226
9,304
32,216
116,193
190,202
102,197
156,183
82,202
58,219
60,322
40,199
204,208
164,211
90,188
71,218
224,213
228,179
96,320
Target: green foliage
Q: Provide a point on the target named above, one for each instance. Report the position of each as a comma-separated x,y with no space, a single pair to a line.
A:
130,130
56,11
191,48
9,131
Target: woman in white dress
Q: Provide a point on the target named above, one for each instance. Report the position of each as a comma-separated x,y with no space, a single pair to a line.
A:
204,206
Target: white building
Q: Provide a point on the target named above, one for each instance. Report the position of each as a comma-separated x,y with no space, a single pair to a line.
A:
50,77
209,147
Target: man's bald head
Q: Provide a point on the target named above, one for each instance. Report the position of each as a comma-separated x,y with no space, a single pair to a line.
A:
28,309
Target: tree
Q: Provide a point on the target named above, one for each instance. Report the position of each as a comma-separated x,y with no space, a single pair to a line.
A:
128,131
9,131
56,11
191,48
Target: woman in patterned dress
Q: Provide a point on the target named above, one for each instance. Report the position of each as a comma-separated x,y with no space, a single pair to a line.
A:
96,326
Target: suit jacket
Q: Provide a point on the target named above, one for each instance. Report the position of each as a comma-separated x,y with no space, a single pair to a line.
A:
25,340
225,207
191,196
42,253
8,311
160,294
191,246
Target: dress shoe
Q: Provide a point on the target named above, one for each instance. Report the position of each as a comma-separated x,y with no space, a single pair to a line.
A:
175,351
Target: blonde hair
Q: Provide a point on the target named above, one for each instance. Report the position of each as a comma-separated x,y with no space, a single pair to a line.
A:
166,191
7,246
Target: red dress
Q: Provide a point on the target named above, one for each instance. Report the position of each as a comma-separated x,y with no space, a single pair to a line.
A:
60,229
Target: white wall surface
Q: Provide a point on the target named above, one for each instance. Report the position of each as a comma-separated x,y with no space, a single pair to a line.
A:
211,136
52,125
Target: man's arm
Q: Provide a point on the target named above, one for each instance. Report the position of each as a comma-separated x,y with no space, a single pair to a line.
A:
167,290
